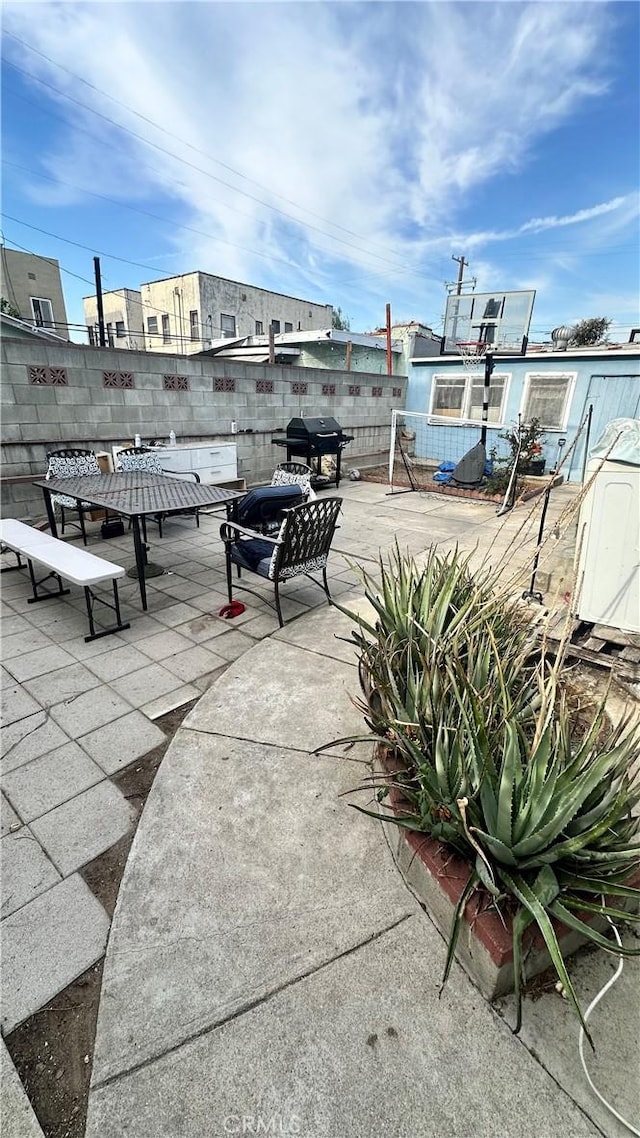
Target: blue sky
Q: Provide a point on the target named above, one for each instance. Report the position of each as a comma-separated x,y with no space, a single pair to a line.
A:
339,152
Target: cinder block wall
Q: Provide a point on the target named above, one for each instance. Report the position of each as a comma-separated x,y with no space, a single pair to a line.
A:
71,395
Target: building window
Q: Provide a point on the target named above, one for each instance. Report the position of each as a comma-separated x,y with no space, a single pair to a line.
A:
275,326
458,398
227,325
31,276
110,339
547,397
288,327
119,329
152,325
259,328
194,324
166,331
42,312
92,335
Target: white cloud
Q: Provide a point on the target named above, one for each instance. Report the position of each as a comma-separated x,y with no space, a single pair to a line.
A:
383,123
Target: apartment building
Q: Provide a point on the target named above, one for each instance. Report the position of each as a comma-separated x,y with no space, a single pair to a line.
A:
187,313
32,288
123,319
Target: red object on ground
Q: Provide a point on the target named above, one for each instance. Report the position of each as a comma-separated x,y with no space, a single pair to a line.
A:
234,608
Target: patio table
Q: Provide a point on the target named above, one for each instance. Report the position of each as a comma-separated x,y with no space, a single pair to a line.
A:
135,495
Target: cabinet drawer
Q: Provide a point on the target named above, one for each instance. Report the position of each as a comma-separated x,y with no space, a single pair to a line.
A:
218,454
222,473
179,459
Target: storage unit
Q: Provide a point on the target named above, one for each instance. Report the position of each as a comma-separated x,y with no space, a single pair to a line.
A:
609,545
213,462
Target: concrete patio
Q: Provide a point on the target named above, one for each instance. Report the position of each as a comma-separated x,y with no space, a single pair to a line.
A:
265,959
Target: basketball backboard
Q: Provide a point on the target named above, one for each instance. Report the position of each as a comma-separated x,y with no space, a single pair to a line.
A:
499,319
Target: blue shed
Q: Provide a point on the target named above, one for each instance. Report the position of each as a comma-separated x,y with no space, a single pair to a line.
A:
553,386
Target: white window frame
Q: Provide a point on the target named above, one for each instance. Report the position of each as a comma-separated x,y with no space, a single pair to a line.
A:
571,376
228,333
470,378
42,300
166,328
259,328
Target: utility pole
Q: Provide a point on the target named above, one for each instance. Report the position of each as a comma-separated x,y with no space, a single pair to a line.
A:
101,336
462,265
389,357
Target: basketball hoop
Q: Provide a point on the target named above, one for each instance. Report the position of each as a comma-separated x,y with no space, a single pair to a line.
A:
471,352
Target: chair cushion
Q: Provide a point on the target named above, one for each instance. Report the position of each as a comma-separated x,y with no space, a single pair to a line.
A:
137,462
253,554
75,467
69,503
266,503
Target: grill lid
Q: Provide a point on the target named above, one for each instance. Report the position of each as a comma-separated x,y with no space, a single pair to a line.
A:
305,428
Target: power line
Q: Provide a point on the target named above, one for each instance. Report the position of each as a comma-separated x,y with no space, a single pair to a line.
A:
191,165
196,149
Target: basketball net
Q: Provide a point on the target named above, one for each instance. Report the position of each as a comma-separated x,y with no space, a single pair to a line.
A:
472,352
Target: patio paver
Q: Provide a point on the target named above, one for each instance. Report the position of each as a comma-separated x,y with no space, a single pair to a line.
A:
122,741
84,827
39,786
48,944
18,1118
28,738
26,870
90,709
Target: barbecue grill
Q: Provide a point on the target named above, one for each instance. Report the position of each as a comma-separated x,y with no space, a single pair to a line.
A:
313,438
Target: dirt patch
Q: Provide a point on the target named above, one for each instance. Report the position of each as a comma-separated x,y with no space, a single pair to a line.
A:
53,1050
526,489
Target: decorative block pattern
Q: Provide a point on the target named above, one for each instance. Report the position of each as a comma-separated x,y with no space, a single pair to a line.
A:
354,389
118,379
397,393
328,388
175,382
376,391
300,388
222,383
264,386
48,376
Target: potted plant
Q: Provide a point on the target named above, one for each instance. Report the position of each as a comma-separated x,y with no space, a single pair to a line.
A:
527,447
484,753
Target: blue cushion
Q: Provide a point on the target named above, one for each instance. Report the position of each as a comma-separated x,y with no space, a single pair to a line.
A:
253,554
266,503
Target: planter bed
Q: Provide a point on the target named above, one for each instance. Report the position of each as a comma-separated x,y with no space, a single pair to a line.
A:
437,877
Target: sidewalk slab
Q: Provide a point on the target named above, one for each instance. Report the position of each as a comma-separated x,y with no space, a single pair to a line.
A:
280,694
247,871
48,944
26,870
18,1119
363,1047
550,1031
85,826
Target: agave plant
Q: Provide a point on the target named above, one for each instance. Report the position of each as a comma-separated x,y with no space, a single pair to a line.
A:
493,763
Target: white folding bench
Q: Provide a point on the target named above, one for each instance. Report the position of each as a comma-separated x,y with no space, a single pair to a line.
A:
63,560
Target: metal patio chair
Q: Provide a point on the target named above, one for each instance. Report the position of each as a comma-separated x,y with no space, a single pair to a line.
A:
301,547
133,459
292,474
72,462
262,509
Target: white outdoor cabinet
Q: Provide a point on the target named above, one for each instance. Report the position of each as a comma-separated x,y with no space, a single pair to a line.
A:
213,462
609,558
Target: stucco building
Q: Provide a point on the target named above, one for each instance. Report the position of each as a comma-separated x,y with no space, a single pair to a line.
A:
32,286
123,319
187,313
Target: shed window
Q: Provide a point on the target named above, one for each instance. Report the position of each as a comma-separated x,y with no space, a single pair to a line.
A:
547,397
458,398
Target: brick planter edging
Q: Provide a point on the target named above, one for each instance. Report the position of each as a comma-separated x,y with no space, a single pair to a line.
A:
437,876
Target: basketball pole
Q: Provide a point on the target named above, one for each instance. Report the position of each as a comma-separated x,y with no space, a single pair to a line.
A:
488,370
